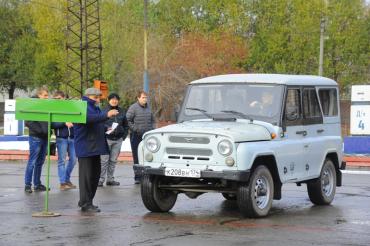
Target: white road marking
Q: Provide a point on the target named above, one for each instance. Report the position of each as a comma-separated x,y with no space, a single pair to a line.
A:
356,172
357,222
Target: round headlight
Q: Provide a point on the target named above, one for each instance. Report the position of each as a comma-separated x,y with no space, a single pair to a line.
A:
152,144
225,147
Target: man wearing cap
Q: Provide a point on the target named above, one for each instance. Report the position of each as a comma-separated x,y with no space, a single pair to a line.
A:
90,143
117,127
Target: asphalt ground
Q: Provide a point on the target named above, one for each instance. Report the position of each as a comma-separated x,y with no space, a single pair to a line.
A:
207,220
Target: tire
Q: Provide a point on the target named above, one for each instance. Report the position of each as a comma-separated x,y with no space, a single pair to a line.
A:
255,199
229,196
321,191
155,199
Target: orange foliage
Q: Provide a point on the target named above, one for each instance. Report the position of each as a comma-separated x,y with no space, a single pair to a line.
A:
209,55
191,57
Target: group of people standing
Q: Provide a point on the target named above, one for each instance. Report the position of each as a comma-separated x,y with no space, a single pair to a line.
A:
96,144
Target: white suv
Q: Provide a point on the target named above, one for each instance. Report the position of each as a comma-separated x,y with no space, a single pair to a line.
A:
244,136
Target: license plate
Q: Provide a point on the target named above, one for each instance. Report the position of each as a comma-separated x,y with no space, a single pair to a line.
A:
182,172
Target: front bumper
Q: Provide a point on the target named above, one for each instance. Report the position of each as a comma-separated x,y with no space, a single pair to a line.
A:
241,176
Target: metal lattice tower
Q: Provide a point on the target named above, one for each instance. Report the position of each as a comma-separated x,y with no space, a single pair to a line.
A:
84,49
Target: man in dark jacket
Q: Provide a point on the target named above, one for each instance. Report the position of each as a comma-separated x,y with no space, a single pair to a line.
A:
90,143
65,144
140,120
38,142
117,127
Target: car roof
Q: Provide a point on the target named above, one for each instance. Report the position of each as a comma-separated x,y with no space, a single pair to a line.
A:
285,79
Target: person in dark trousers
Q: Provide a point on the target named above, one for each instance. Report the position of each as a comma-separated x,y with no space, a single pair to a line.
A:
38,142
140,120
65,144
117,127
90,143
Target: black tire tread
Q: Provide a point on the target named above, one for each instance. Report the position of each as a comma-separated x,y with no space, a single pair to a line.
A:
147,194
244,200
314,188
150,193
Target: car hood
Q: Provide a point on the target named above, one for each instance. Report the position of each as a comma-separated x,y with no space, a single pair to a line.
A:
239,131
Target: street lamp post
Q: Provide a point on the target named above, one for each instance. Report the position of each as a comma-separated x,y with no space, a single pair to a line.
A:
322,36
321,56
145,76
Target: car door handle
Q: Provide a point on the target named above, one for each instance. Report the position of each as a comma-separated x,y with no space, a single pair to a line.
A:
320,131
304,133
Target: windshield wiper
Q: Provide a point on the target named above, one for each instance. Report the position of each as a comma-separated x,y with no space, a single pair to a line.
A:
244,116
202,111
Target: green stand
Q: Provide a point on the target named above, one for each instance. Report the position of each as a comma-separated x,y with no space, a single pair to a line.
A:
51,111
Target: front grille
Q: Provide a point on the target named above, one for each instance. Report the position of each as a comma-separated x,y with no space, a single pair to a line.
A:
188,158
194,140
189,152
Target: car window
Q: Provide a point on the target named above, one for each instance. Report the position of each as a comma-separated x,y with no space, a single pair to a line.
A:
329,102
255,100
292,112
311,108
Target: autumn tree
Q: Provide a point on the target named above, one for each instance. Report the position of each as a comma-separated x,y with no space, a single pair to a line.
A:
284,38
194,56
17,45
50,56
347,47
188,40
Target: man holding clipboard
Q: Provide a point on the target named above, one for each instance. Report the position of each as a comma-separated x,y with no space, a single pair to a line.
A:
90,143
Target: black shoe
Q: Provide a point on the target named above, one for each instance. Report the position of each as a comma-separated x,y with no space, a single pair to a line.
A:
100,184
28,189
113,183
90,209
137,181
80,205
40,187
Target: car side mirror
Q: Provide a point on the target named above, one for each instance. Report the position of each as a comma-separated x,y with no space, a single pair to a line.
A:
176,111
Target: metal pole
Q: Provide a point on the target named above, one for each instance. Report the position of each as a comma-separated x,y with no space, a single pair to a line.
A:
48,167
86,44
322,36
46,212
81,50
321,57
146,79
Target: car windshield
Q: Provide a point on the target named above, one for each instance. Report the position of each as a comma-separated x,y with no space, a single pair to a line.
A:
233,100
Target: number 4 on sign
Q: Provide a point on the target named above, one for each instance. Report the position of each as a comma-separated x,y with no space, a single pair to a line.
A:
361,125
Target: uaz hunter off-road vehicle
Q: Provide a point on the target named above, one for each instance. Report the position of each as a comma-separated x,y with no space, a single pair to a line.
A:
244,136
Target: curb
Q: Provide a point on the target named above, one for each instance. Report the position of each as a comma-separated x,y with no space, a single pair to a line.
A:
357,161
126,156
23,155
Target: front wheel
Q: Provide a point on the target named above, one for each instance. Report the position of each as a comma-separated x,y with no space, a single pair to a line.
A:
322,190
255,199
154,198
